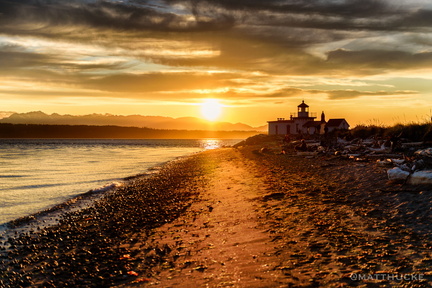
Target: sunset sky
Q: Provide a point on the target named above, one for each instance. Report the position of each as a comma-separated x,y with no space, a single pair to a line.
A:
369,61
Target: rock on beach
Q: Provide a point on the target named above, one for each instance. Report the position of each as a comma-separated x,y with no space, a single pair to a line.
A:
397,174
423,177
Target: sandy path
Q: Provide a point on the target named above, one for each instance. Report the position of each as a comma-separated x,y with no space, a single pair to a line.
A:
221,240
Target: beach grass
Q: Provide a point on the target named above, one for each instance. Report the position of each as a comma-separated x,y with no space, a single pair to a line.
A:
415,131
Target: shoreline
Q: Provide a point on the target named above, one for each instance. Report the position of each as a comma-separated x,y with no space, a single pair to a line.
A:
52,216
310,220
102,227
97,182
75,203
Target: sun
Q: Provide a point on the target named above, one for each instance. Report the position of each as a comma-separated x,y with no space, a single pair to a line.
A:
211,109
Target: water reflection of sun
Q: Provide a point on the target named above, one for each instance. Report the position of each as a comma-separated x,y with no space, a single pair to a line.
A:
209,144
211,109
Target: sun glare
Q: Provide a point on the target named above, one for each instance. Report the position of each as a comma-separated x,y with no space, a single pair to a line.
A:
211,109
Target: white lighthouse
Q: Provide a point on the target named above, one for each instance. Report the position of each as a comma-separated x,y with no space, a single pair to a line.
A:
303,122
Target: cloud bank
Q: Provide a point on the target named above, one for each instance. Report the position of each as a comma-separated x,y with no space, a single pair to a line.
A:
244,49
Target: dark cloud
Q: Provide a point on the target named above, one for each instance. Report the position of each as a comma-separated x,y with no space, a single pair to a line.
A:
99,14
419,18
234,94
350,94
35,93
350,8
248,54
157,82
17,60
286,93
318,14
14,57
375,61
289,23
331,94
210,15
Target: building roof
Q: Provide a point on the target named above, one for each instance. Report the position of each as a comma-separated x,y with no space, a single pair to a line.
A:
336,122
303,104
312,124
281,121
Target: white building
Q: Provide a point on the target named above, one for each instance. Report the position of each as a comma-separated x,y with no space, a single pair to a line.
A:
304,123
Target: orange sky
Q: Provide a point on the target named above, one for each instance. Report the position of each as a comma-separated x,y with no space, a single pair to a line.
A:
368,61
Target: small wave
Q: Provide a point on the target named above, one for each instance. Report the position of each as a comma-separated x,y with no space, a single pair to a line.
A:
107,187
34,186
52,215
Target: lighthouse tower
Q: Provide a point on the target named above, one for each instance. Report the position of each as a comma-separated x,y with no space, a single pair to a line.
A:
303,110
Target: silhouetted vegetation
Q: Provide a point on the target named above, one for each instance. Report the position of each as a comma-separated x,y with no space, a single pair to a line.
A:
109,132
412,132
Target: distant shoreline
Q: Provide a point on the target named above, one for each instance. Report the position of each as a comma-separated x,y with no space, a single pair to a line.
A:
37,131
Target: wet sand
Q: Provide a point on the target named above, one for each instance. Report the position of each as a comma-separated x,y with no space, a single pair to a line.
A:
239,218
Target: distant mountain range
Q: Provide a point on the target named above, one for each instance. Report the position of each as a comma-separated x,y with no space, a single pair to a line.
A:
155,122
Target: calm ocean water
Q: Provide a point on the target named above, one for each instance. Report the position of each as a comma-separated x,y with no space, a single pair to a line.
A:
38,174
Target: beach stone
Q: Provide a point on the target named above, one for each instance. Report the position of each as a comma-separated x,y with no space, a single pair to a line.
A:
424,152
397,174
421,177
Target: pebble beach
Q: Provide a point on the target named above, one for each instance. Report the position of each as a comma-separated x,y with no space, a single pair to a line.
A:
237,217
